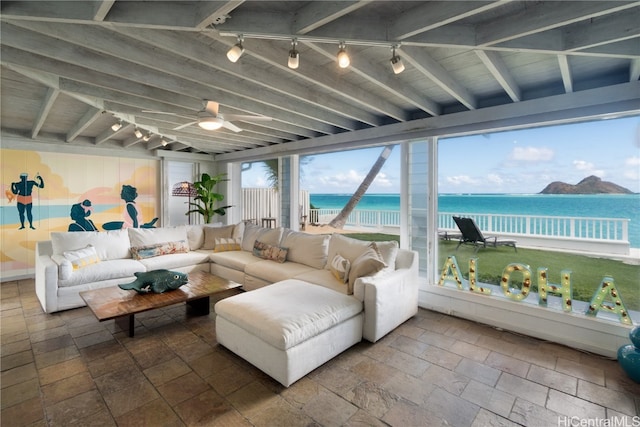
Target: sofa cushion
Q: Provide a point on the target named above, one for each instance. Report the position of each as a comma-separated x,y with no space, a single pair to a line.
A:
288,313
169,262
113,244
82,257
305,248
272,272
323,278
368,263
105,270
236,260
389,252
270,236
347,247
65,269
195,236
152,236
167,248
270,252
213,233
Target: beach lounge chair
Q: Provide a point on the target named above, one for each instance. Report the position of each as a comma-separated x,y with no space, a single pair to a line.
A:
471,234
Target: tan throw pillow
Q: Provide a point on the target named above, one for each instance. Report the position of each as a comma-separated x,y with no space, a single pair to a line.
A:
213,233
368,263
339,267
225,245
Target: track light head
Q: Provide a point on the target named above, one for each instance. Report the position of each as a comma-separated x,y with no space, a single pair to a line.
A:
116,126
343,57
146,137
236,51
163,142
294,55
396,62
210,123
138,133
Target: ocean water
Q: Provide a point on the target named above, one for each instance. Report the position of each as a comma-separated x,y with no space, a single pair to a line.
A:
577,205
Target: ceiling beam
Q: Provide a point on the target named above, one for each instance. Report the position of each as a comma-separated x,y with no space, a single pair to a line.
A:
45,108
433,70
565,71
102,8
87,119
316,14
500,72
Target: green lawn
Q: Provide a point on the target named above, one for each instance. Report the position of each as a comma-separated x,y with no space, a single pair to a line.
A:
586,272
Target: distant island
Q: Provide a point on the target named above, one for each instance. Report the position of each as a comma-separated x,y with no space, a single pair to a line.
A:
590,185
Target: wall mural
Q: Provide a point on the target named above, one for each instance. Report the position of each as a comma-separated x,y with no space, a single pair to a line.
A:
46,192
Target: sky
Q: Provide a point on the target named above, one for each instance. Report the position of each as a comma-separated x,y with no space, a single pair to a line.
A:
522,161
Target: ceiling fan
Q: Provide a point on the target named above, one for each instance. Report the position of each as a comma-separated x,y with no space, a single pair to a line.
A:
210,119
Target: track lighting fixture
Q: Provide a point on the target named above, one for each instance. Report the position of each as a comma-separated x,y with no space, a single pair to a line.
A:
236,50
343,58
294,55
396,62
138,133
116,126
146,137
163,142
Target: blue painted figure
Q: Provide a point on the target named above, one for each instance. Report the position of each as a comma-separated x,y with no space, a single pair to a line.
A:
23,189
132,218
79,214
629,355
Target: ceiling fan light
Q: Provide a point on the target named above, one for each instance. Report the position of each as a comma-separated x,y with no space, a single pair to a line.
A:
343,57
210,123
236,51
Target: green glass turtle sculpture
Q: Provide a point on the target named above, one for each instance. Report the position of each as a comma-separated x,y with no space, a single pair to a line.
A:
157,281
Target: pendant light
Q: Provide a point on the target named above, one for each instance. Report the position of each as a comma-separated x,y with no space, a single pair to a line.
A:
294,55
343,57
396,62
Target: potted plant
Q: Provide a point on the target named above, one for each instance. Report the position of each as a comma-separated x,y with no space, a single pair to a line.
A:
206,199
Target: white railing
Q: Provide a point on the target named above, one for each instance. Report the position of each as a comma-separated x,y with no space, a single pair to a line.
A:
611,229
535,229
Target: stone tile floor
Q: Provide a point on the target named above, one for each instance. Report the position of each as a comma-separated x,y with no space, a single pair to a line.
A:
435,370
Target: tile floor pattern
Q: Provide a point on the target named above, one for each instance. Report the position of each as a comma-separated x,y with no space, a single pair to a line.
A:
435,370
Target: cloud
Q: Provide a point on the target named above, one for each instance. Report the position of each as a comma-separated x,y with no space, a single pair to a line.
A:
632,161
342,180
495,178
382,181
531,154
588,167
462,179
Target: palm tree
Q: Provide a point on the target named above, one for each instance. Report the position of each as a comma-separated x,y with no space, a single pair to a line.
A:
341,218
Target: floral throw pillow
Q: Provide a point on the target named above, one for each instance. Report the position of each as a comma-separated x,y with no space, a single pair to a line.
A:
266,251
150,251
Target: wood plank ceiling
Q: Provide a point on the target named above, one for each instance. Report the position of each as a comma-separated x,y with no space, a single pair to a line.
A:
70,70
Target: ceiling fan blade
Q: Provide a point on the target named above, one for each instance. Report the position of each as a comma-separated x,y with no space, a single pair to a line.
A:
211,107
185,125
231,126
247,118
168,114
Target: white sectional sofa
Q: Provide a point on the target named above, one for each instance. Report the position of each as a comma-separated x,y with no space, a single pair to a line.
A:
389,295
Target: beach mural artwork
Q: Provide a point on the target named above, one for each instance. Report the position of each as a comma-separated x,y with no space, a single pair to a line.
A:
606,296
46,192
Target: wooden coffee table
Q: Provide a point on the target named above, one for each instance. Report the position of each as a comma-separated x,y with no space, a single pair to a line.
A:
115,303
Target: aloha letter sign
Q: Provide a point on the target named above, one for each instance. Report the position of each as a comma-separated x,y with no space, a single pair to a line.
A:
606,296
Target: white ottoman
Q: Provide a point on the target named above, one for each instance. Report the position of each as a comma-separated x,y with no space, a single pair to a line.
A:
289,328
